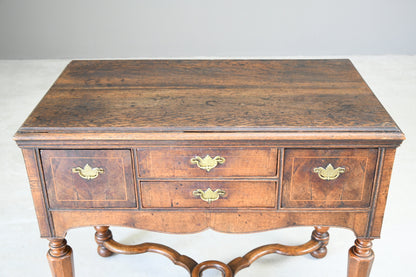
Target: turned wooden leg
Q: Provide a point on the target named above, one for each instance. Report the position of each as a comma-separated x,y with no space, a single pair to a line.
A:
101,235
60,258
360,258
320,234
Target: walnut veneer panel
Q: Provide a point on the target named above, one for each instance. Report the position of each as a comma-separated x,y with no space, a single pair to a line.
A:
176,162
303,188
273,121
114,188
232,221
238,194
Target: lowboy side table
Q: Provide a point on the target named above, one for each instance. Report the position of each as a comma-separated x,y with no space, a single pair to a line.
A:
179,146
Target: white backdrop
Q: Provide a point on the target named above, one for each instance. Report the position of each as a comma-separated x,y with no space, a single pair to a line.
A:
41,29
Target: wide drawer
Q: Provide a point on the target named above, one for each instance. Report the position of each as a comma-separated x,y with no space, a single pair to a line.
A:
206,162
328,178
78,179
190,194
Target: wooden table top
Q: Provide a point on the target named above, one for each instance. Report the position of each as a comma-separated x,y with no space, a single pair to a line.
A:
210,95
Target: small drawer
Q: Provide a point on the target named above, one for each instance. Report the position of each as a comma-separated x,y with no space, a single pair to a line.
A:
79,179
328,178
188,194
206,162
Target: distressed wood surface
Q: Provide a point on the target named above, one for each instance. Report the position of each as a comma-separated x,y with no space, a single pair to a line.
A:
207,95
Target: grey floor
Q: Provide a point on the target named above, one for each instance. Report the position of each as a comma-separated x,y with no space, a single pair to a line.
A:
22,252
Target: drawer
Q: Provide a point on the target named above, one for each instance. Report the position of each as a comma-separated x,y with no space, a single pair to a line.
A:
328,178
188,194
78,179
206,162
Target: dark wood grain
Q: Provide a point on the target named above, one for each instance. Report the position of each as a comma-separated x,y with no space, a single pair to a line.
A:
228,221
302,187
121,96
273,121
380,195
238,194
113,188
208,73
38,192
88,140
170,162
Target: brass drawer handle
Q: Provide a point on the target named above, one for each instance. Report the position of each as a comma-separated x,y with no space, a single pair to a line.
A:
207,163
209,195
329,173
88,172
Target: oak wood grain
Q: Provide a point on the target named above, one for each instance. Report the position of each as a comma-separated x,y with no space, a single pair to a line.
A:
97,96
207,73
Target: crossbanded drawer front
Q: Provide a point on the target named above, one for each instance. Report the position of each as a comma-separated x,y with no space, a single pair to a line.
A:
81,179
171,162
204,194
328,178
